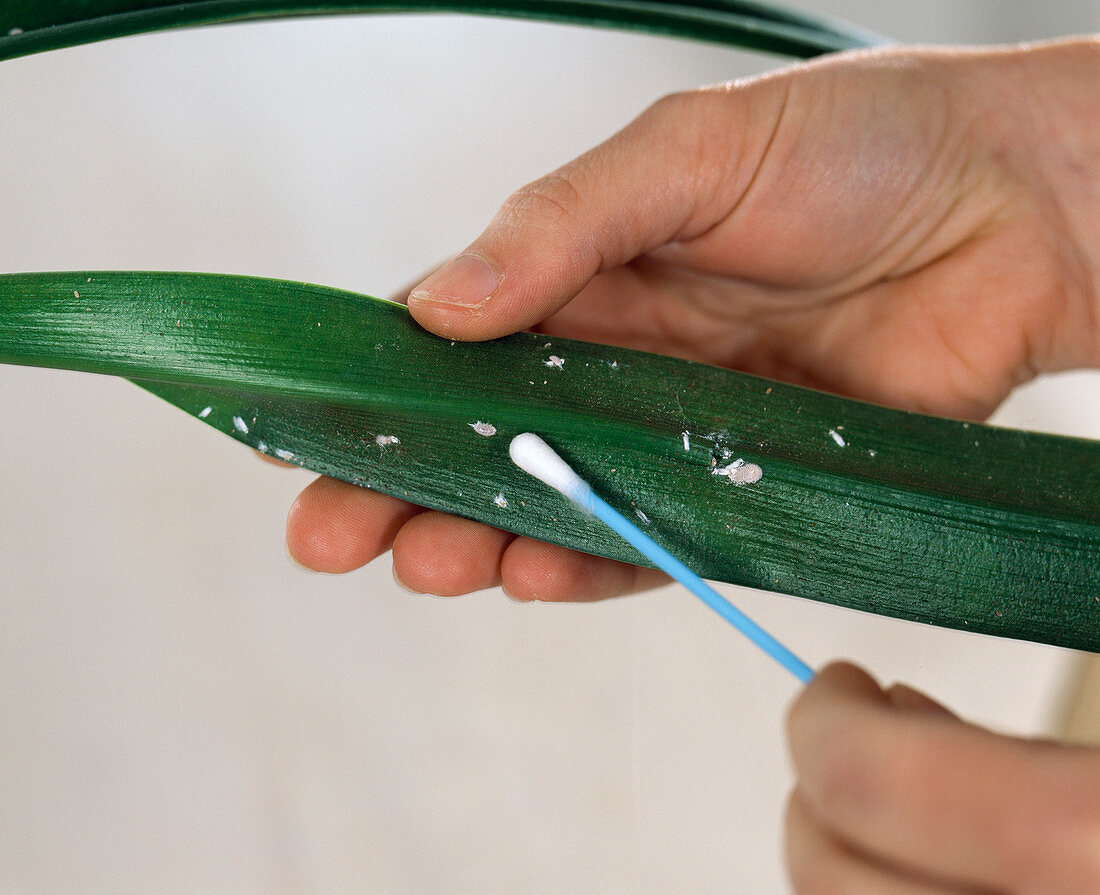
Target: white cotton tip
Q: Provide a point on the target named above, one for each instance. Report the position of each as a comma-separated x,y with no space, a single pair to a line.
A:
534,456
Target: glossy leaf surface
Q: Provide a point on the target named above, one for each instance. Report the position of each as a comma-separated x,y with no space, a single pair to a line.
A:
951,523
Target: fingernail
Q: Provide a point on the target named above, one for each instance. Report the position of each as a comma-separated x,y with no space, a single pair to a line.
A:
468,281
401,584
523,601
296,563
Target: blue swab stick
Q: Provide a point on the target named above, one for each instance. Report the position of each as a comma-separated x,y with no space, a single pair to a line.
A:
533,455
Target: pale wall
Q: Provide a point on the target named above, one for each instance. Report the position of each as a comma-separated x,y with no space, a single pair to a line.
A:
181,710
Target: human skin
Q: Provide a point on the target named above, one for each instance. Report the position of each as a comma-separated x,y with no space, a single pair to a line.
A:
895,794
918,228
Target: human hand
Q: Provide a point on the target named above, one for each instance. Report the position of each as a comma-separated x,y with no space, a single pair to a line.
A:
918,228
894,794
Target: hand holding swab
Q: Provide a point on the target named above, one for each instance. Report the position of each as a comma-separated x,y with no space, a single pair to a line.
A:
533,455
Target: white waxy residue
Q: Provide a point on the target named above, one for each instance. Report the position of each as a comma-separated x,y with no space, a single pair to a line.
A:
687,440
205,412
500,501
383,440
240,425
283,455
739,472
838,438
555,361
486,429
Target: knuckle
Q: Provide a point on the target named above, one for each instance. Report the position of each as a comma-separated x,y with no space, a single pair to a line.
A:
551,201
673,108
841,778
849,783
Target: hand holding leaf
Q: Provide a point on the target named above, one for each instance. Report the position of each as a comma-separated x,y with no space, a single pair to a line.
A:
910,227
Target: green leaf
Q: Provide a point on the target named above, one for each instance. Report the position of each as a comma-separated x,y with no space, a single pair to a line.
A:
936,520
946,522
32,26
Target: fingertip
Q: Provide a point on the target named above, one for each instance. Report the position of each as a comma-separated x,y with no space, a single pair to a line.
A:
824,704
336,527
458,300
294,561
447,555
906,698
847,678
839,679
401,585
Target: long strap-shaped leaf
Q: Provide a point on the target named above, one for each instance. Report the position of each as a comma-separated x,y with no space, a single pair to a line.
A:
31,26
946,522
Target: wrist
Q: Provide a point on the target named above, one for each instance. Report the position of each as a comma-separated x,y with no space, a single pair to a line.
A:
1061,137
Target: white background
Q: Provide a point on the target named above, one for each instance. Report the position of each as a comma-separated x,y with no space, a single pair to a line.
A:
181,709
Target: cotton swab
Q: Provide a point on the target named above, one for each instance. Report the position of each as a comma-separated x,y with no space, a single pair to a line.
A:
534,456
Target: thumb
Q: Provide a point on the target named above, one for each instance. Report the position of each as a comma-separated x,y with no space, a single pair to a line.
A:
671,174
